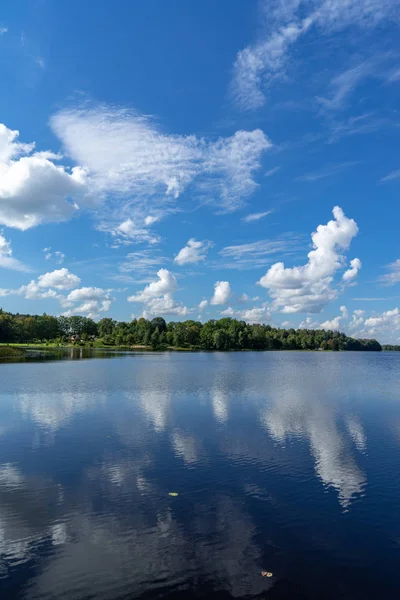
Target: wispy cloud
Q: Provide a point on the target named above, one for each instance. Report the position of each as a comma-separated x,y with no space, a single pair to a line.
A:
7,261
368,299
344,84
142,170
356,125
140,267
391,176
393,275
256,216
260,64
328,171
272,171
3,30
257,254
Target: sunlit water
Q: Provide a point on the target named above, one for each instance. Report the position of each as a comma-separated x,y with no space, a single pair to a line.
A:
284,462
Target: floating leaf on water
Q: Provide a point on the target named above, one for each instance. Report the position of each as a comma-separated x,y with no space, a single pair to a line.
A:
266,573
173,494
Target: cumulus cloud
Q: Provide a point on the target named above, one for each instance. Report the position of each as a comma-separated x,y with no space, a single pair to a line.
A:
7,261
33,189
307,288
55,256
257,314
222,293
202,305
193,252
260,64
335,323
388,318
385,326
60,279
357,318
147,170
158,296
89,301
164,305
351,274
256,216
165,284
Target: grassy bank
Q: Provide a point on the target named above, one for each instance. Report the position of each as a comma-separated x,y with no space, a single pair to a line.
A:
11,352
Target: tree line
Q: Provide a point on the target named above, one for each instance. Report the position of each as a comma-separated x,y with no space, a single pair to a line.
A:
222,334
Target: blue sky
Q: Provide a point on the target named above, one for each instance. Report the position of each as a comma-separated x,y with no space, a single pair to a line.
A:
198,160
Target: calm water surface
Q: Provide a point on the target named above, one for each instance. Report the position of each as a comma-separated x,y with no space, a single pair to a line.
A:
284,462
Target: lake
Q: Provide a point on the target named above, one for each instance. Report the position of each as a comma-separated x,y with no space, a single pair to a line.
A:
278,462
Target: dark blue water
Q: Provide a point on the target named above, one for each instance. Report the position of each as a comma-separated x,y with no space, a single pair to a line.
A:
283,462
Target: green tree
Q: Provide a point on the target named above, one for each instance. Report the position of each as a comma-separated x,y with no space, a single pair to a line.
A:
159,323
155,339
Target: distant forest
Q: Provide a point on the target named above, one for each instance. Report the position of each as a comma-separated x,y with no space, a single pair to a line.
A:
222,334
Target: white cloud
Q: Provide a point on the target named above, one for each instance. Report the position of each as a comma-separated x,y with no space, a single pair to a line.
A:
335,323
142,264
222,292
30,291
351,274
33,189
150,220
385,326
56,256
272,171
33,291
158,297
391,176
166,284
288,324
3,30
89,301
87,294
128,232
307,288
128,156
257,254
357,318
389,318
327,171
263,62
256,216
243,298
343,84
202,305
257,314
7,261
165,305
60,279
307,323
393,276
193,252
